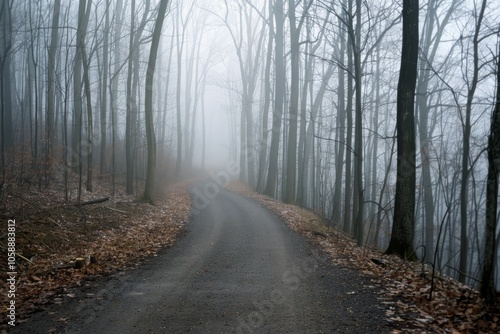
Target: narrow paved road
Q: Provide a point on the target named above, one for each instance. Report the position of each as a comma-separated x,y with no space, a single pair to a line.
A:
238,269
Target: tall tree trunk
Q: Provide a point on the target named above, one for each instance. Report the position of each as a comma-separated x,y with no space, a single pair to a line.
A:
33,77
28,107
76,143
310,132
129,124
188,100
132,93
77,90
487,289
148,195
341,113
429,45
6,84
358,201
307,93
376,138
401,242
180,37
423,113
466,149
90,129
249,149
306,85
167,89
267,103
294,105
348,158
104,90
51,78
114,86
180,46
270,189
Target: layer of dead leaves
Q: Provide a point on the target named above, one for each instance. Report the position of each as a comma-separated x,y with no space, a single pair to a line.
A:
406,286
54,238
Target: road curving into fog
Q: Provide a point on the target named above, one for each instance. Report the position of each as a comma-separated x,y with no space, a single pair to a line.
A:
237,269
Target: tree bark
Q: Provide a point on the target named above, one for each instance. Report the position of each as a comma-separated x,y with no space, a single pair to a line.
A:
278,100
114,86
291,169
130,119
267,104
348,158
90,125
488,271
180,37
148,195
6,85
466,149
402,235
358,201
50,136
132,92
104,92
76,143
341,115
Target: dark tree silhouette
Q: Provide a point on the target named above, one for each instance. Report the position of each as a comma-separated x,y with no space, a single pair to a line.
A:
148,195
488,274
401,242
278,101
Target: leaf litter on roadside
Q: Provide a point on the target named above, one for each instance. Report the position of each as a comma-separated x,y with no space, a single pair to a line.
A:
405,286
52,236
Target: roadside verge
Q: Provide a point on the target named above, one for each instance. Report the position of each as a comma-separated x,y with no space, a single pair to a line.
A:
406,286
59,245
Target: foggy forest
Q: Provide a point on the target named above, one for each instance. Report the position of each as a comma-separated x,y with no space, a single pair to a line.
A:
382,117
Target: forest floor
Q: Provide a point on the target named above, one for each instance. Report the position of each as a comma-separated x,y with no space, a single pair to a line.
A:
60,244
417,302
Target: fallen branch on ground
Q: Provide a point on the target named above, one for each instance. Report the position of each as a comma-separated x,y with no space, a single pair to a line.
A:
120,211
94,201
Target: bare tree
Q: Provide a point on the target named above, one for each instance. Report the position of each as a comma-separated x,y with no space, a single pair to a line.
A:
119,17
295,29
270,189
76,143
402,234
488,273
341,116
432,33
148,195
267,104
50,136
132,91
6,101
248,63
358,198
466,128
90,124
104,89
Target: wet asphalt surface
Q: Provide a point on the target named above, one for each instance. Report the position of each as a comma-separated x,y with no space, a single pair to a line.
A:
236,269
